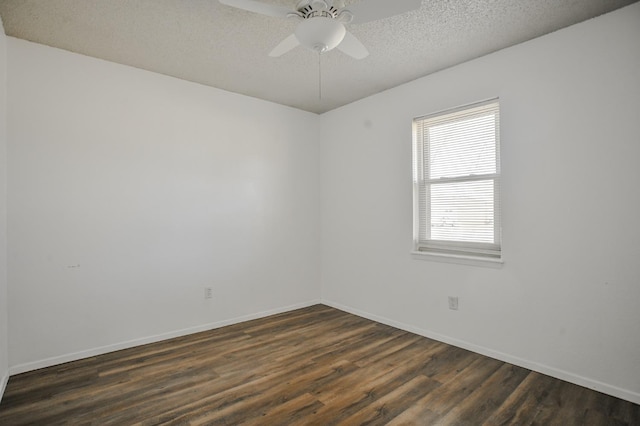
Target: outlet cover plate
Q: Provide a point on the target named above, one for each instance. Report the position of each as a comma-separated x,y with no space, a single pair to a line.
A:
453,303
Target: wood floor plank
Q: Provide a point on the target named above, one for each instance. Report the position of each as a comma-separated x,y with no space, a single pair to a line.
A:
300,407
315,365
566,404
436,404
524,401
445,365
485,399
384,409
218,393
388,349
343,399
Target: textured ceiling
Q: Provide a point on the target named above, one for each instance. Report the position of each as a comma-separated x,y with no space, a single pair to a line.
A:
216,45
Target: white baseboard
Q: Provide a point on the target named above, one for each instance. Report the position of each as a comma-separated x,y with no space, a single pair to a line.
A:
3,384
48,362
618,392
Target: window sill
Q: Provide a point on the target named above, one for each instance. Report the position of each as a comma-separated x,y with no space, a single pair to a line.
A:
458,259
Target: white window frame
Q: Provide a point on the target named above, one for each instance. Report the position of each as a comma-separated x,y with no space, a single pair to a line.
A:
423,244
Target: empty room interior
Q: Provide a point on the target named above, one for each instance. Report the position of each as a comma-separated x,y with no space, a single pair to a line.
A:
319,212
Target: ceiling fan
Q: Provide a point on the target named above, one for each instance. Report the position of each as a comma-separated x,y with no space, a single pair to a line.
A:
321,26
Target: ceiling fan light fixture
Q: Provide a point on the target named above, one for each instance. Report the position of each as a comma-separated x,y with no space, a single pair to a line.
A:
320,34
322,22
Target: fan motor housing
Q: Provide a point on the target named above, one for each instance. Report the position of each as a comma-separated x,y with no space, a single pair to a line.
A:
311,9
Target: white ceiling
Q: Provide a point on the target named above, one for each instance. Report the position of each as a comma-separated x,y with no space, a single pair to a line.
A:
216,45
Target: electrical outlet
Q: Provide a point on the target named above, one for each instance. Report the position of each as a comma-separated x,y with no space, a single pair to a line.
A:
208,292
453,303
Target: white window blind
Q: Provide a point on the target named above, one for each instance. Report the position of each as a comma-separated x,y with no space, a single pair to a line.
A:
457,181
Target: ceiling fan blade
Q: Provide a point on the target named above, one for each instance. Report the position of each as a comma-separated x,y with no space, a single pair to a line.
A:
259,7
372,10
353,47
285,45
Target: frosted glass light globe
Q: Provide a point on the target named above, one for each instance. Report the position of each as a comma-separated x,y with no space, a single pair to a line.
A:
320,33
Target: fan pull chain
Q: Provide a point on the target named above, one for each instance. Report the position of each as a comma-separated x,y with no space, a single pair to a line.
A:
319,76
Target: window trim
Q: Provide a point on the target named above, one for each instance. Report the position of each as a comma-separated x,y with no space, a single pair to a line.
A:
459,250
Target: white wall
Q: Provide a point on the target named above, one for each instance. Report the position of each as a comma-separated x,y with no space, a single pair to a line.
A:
565,302
132,191
4,318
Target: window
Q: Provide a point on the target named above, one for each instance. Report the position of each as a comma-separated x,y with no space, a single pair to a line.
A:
457,182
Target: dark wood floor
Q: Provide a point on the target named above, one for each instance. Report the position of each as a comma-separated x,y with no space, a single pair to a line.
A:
316,365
